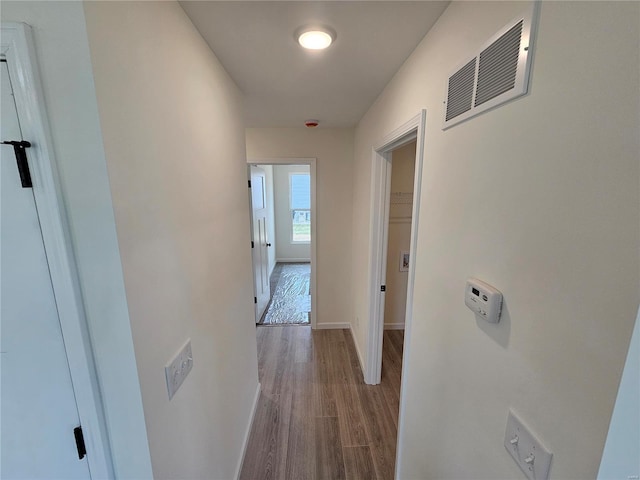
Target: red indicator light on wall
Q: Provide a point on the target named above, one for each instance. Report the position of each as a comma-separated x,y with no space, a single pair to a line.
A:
311,123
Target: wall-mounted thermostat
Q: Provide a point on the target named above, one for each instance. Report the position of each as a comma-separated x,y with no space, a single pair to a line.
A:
483,299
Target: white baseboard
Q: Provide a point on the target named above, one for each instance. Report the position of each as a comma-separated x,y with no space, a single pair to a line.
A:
333,326
394,326
355,343
245,440
293,260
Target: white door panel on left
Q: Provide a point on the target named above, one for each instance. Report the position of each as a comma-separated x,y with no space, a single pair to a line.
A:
38,410
260,241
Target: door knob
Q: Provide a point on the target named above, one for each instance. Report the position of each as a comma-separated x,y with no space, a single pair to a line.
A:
268,244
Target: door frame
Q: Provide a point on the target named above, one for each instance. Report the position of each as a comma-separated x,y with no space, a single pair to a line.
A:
17,47
311,161
411,130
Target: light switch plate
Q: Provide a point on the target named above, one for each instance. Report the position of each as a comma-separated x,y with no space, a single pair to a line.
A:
533,458
178,368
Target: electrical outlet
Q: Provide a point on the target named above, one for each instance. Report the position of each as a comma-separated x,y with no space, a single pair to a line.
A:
178,368
528,452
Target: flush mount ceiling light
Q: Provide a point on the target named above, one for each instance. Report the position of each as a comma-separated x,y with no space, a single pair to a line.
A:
315,38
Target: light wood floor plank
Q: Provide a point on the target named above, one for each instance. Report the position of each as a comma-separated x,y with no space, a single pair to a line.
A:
264,448
301,448
391,370
381,429
358,463
330,463
352,426
354,361
384,460
304,348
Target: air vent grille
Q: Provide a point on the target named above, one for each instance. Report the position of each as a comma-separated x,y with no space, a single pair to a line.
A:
460,91
497,72
498,66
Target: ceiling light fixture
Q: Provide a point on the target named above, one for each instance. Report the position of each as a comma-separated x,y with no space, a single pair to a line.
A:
314,38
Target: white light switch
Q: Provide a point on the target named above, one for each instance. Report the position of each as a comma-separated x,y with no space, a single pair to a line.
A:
178,368
528,452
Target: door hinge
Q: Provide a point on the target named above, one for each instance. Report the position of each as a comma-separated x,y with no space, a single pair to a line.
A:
383,288
82,450
252,244
255,299
19,148
249,182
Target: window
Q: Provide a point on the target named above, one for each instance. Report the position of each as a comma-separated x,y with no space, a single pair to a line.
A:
300,207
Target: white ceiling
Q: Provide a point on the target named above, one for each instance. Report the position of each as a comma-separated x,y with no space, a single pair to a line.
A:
283,84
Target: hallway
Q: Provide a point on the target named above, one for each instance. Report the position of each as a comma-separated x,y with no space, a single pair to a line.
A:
316,419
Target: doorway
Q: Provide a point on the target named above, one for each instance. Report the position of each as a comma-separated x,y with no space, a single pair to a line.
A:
411,131
397,264
399,235
282,205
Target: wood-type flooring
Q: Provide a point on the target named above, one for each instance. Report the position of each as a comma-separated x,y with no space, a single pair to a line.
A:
316,419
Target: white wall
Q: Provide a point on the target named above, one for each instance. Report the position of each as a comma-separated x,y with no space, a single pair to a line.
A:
333,149
286,251
174,142
402,176
65,68
538,197
621,456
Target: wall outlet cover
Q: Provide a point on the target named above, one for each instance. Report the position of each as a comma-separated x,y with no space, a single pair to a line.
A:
178,368
533,458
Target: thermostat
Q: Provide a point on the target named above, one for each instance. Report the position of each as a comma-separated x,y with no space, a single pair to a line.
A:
483,299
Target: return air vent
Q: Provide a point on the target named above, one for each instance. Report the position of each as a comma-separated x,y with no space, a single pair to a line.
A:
499,65
497,73
460,95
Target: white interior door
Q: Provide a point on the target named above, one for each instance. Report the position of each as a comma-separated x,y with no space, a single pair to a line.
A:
38,411
260,240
